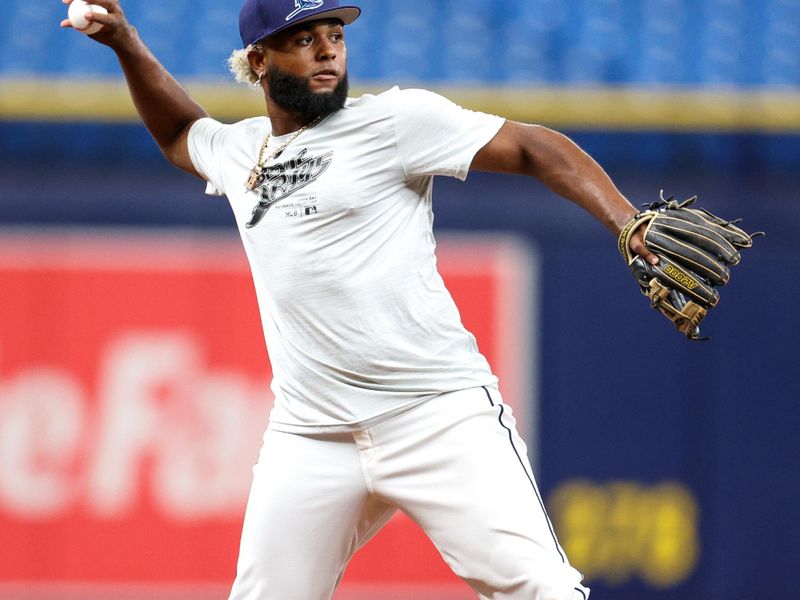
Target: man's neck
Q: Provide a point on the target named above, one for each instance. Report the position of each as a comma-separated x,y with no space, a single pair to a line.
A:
285,122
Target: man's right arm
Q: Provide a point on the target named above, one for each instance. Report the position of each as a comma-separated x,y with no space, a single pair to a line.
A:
165,107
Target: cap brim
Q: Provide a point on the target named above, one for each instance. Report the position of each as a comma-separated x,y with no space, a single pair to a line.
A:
347,14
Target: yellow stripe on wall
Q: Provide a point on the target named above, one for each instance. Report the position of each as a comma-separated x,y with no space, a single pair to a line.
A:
664,109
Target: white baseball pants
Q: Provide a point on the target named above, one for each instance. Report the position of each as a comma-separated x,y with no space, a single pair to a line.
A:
454,464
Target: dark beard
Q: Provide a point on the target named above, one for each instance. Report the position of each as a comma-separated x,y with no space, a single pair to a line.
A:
293,94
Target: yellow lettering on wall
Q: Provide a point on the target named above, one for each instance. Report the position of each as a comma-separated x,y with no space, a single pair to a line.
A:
620,530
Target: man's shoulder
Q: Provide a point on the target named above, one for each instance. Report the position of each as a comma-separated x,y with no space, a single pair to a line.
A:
392,100
249,125
369,100
254,124
225,133
393,94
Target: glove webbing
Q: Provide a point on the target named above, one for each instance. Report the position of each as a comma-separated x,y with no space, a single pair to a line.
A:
687,319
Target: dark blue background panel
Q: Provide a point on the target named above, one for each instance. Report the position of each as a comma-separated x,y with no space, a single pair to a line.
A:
668,465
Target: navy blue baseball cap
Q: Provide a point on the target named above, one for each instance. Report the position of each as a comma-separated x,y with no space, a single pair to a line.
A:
259,19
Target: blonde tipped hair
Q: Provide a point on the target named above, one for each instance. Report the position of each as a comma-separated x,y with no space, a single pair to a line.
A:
239,65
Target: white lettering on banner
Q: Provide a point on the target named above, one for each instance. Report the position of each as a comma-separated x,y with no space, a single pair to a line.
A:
202,464
140,372
163,423
42,416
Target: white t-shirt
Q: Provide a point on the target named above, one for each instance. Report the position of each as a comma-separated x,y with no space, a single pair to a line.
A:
357,320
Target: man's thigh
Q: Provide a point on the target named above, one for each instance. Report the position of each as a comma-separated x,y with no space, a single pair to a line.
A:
307,513
458,467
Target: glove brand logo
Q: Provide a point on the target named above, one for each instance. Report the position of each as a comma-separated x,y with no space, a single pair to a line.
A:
302,5
681,277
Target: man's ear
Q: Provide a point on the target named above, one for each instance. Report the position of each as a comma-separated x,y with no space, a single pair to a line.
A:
258,61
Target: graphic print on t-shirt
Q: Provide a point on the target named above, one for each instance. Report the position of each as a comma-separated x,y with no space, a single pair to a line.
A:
281,180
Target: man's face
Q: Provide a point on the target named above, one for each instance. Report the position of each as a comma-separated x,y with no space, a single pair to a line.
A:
307,68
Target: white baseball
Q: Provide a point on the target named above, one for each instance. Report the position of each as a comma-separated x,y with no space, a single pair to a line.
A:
77,16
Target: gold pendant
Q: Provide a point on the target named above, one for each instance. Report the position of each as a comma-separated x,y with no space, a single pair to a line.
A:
252,181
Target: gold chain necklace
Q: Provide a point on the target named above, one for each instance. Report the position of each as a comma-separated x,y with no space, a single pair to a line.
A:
255,172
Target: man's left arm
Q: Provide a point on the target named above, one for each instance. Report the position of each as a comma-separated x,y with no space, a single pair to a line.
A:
563,167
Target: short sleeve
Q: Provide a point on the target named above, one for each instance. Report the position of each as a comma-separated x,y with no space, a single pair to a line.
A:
436,136
205,144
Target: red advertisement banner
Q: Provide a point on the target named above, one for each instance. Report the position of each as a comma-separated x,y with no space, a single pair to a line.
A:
133,395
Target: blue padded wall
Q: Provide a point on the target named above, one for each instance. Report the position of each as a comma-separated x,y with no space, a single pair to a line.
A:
726,43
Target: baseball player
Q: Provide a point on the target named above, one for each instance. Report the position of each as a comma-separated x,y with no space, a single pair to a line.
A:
382,400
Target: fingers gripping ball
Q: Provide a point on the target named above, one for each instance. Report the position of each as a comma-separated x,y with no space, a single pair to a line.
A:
77,16
695,250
